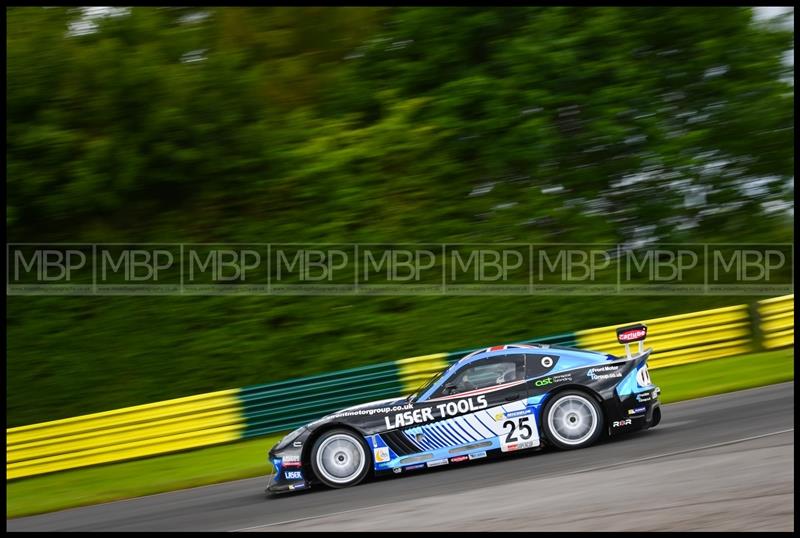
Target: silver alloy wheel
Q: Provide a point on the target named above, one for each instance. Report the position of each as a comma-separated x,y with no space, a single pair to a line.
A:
340,458
572,419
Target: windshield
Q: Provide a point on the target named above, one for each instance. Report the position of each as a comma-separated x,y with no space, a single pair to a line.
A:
426,385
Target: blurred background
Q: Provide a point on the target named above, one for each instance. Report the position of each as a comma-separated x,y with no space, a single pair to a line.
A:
589,125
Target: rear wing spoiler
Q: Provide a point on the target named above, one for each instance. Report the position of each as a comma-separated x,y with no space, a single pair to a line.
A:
632,333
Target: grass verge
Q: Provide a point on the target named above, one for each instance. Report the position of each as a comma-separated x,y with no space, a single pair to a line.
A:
246,459
723,375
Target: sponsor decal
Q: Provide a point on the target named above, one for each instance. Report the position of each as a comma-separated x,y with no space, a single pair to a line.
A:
511,447
643,377
419,416
436,463
554,379
520,413
632,333
609,368
381,454
301,485
297,444
547,362
293,475
397,470
604,372
291,461
457,459
477,455
621,423
637,410
369,412
414,467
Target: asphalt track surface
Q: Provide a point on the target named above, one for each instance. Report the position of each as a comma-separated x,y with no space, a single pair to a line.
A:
719,463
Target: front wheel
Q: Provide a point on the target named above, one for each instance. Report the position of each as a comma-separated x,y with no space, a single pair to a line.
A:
339,458
572,419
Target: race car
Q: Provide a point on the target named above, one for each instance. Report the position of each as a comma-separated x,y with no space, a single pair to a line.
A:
495,400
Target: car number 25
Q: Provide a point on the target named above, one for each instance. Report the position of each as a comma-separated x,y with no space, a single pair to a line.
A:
517,429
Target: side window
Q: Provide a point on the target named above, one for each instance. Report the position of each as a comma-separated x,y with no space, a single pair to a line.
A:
485,373
539,364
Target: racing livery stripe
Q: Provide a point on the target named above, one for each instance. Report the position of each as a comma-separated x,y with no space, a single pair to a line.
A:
454,440
431,438
428,440
460,426
478,416
448,428
411,439
479,426
441,440
449,438
468,423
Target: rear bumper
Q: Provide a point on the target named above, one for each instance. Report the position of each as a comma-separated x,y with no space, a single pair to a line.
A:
634,411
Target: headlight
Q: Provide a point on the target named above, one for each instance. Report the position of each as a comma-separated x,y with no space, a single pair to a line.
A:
286,441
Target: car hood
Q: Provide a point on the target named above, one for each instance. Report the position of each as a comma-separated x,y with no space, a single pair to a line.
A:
364,409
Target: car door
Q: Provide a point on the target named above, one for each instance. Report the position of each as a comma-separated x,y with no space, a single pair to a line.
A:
503,419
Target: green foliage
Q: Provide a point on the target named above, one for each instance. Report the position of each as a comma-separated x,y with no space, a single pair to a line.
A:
368,125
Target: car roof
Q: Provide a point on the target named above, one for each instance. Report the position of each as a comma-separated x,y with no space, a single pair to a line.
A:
574,358
531,348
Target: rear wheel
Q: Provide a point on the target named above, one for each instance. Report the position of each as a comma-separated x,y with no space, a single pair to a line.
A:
340,459
572,419
656,417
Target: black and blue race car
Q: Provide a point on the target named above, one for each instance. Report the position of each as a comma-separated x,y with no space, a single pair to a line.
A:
495,400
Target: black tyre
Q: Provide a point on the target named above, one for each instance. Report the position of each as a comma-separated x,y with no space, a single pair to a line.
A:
572,419
340,458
